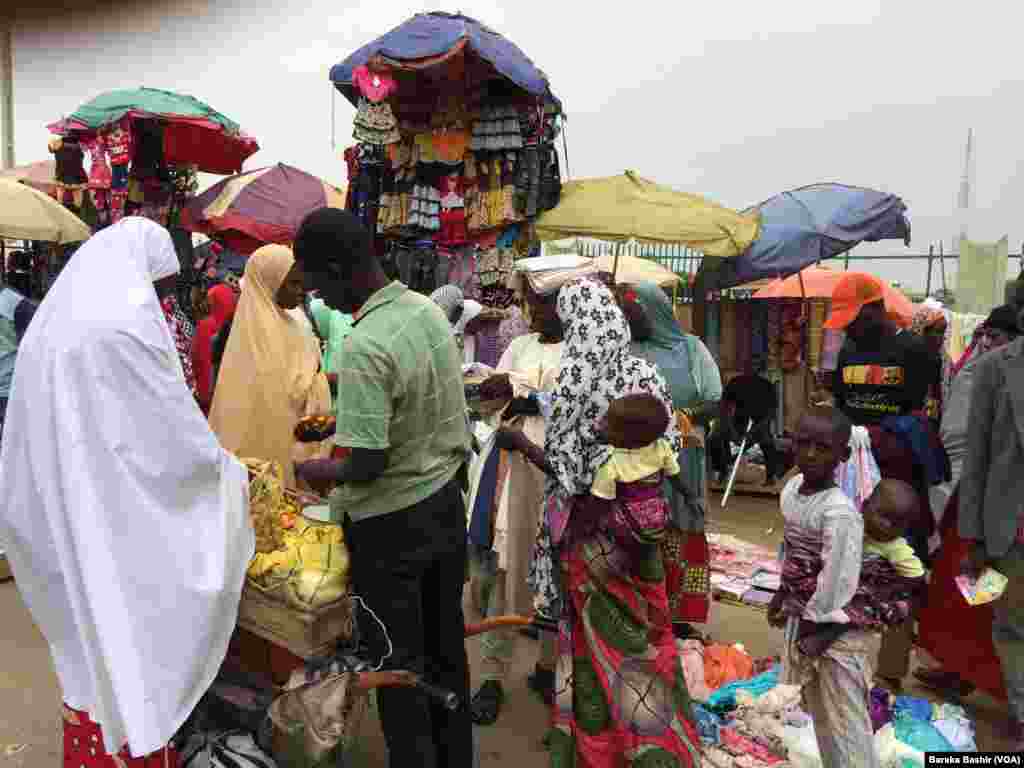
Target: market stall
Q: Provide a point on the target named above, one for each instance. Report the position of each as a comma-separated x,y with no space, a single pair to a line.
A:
455,154
145,148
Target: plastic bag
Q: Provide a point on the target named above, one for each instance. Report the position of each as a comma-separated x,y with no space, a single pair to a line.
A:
802,746
309,571
858,476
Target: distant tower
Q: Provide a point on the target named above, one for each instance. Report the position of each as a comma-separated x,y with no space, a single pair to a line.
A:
966,182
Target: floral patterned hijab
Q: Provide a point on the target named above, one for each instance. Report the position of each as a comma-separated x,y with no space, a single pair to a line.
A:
596,368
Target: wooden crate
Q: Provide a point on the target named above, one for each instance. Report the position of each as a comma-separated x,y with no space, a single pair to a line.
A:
306,634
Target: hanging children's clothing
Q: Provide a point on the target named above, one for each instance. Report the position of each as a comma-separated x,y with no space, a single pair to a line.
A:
497,129
375,124
453,210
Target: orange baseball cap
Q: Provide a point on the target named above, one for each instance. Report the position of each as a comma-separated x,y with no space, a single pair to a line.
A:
853,291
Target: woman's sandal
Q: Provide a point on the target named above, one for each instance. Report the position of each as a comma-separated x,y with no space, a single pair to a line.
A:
486,704
542,682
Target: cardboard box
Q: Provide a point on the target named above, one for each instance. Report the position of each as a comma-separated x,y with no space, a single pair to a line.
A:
5,569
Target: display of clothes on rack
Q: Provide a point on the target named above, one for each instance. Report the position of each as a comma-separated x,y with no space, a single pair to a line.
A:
445,179
127,174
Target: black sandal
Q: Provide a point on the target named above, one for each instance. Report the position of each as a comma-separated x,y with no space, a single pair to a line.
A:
542,682
486,704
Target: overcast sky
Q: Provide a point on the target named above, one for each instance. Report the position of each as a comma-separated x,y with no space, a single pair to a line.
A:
732,99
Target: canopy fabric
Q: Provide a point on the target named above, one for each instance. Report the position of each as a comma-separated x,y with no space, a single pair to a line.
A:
259,207
39,175
109,107
28,214
818,283
630,207
806,225
194,132
129,536
429,39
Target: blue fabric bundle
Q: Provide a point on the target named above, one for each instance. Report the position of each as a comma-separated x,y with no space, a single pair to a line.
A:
724,699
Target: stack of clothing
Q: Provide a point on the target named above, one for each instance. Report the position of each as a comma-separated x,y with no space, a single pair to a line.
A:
546,274
743,573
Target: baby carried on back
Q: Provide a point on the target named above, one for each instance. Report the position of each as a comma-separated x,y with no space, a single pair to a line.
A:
892,577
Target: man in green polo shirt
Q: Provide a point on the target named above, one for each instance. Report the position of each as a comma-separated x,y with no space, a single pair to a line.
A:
402,411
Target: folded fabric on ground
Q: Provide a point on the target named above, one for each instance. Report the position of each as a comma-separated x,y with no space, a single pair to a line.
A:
724,698
724,664
741,571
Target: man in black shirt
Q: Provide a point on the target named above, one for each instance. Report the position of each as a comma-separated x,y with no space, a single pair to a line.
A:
749,398
884,371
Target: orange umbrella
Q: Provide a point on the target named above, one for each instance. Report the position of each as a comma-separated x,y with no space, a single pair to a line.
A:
818,282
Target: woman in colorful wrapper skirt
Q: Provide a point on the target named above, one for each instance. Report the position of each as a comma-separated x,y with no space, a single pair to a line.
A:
621,698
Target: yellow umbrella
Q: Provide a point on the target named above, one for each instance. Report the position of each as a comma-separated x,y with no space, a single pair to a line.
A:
27,214
629,207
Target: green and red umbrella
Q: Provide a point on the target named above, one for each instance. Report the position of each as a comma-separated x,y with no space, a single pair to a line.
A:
259,207
194,133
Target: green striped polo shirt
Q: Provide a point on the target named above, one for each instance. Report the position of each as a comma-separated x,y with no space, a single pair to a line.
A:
400,390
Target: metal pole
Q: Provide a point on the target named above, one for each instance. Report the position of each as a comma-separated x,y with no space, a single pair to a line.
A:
928,285
736,465
942,265
7,89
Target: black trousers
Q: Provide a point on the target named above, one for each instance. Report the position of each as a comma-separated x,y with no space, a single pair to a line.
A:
409,567
729,432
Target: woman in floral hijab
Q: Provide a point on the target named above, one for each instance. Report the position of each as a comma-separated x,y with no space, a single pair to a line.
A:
620,692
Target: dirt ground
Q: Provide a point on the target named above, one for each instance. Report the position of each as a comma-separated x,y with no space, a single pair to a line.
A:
30,697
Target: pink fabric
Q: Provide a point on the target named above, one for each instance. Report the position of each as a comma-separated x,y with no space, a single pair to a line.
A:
691,659
364,81
737,743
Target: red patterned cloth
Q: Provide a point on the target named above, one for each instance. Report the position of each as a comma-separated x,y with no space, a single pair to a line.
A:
83,747
687,575
182,340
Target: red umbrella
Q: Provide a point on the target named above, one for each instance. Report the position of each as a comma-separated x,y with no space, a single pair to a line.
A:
259,207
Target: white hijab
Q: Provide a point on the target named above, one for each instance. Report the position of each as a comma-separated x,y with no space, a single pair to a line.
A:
125,522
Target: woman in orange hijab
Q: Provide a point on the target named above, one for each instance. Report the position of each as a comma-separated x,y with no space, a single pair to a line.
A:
270,376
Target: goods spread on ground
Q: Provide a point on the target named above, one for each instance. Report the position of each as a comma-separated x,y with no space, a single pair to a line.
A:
746,717
743,573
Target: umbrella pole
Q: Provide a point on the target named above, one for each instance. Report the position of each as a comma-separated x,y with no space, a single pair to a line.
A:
615,264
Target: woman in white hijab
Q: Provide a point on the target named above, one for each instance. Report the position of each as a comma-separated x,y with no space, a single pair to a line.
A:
129,536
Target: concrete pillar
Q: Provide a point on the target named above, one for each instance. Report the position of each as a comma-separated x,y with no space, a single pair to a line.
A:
7,90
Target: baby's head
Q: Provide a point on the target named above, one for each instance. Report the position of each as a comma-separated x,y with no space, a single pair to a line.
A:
890,510
634,421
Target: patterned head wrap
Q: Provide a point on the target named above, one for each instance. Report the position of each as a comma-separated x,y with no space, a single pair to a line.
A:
596,369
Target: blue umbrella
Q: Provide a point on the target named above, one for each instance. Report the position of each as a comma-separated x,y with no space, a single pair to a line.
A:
806,225
435,36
